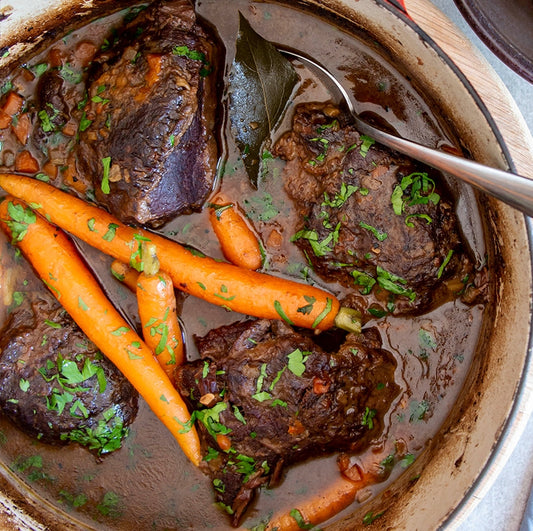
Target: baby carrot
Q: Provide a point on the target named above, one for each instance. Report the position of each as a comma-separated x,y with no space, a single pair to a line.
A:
237,240
157,310
161,328
126,274
57,262
234,288
317,509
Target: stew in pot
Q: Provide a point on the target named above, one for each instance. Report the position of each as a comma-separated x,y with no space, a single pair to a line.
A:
308,295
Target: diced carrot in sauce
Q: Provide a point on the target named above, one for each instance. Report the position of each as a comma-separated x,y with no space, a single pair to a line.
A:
27,75
22,128
85,51
224,442
50,169
71,177
26,163
151,77
154,65
55,57
5,120
275,239
320,386
13,103
70,129
296,429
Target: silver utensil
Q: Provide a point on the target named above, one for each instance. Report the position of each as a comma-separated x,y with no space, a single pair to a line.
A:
515,190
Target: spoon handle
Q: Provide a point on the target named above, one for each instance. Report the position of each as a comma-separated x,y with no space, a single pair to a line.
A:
510,188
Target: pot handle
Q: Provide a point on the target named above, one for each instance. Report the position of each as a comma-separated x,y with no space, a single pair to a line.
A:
399,5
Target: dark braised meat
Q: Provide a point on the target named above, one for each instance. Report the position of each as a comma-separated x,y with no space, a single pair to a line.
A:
56,385
371,219
151,109
266,396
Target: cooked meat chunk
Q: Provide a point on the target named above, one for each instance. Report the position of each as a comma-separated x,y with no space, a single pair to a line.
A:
56,385
266,396
149,119
55,111
370,218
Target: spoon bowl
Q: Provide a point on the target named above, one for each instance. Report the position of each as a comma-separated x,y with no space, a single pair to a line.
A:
515,190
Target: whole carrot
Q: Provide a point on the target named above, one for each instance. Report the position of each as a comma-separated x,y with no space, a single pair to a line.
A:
232,287
157,310
57,262
238,242
317,509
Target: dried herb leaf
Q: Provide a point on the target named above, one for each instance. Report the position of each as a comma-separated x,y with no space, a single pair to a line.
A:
261,83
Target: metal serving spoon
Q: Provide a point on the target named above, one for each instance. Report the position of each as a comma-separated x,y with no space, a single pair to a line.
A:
515,190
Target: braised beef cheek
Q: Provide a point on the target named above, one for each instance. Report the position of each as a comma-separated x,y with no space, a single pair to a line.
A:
54,382
370,218
267,396
150,146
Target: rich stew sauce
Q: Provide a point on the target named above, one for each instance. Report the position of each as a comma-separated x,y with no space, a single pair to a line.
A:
149,483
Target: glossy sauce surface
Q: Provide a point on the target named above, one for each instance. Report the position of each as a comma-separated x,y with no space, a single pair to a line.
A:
149,484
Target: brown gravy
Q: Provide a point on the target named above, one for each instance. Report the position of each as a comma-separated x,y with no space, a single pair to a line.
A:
149,483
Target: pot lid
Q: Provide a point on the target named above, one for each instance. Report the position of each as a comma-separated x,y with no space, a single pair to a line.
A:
506,27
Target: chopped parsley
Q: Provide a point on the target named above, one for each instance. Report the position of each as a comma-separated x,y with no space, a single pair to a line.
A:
368,418
21,218
69,74
364,280
111,232
414,189
210,418
445,263
308,308
84,122
106,163
370,517
195,55
366,145
323,313
261,396
300,521
18,298
341,197
47,124
394,283
380,236
320,247
185,51
297,359
418,410
281,312
39,69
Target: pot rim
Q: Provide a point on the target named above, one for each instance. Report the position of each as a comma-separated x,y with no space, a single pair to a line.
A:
522,405
513,429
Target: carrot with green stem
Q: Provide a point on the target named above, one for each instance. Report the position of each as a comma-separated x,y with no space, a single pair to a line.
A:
57,262
156,301
317,509
234,288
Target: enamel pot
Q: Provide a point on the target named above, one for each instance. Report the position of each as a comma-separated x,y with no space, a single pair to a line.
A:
492,407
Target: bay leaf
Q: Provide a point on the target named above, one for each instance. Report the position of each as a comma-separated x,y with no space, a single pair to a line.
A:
261,84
